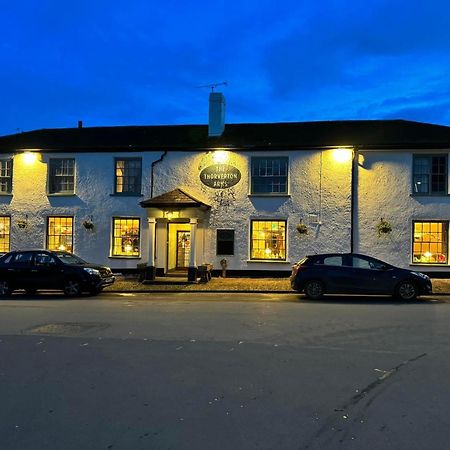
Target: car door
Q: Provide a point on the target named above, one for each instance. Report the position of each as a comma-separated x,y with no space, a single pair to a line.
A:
19,270
370,276
46,271
333,273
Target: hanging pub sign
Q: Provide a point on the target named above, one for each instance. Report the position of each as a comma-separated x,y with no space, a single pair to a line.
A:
220,176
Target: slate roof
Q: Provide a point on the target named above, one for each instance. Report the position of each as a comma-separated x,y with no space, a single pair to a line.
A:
173,199
262,136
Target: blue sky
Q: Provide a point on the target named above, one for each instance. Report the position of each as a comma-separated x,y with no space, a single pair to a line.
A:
141,62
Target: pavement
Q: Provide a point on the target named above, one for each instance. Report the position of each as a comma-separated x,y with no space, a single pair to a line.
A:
218,284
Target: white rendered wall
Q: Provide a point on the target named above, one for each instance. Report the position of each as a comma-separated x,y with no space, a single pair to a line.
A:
384,190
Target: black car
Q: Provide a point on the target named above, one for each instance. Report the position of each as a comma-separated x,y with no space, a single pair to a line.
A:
42,269
339,273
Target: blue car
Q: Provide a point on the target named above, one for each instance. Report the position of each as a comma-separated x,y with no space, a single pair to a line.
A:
350,273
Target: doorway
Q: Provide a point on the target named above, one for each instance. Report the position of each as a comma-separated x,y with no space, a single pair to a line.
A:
183,249
178,247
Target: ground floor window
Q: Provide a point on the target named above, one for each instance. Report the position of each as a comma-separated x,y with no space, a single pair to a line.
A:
60,233
5,233
126,237
430,242
268,240
225,242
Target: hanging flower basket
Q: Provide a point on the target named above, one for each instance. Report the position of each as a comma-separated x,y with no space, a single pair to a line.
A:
302,228
88,225
22,224
384,227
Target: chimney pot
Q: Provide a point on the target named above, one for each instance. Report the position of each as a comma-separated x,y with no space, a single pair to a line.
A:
216,123
80,124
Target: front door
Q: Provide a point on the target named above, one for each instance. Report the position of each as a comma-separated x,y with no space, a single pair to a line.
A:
183,249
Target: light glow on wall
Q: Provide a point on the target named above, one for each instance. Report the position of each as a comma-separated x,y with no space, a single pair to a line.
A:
342,155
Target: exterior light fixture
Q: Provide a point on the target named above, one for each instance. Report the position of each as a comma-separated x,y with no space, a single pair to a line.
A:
342,155
30,157
220,157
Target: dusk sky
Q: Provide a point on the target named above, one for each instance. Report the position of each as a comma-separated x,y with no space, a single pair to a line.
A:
141,62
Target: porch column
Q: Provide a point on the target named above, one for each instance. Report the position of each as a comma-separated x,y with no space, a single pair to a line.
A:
192,270
151,265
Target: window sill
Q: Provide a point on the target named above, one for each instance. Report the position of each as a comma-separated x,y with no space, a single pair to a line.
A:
428,265
125,257
57,194
270,195
270,261
429,195
126,195
6,194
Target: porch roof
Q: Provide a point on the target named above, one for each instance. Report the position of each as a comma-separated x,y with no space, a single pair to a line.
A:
174,199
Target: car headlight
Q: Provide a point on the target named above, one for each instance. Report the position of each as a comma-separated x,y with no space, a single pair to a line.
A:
91,271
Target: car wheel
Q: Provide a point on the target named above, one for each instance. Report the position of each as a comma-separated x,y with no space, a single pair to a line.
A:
5,288
314,289
72,288
406,290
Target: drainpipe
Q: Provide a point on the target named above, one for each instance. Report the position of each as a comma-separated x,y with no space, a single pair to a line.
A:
354,199
153,166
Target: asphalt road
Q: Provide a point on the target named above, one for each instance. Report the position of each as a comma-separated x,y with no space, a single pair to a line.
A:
223,371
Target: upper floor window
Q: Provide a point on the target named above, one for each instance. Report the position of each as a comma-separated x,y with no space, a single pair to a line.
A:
61,176
126,237
128,176
269,175
430,174
5,176
60,233
5,233
430,242
268,239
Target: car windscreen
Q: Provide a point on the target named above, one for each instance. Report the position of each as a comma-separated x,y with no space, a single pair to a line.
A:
68,258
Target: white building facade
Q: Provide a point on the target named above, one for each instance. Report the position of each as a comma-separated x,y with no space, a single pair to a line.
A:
260,196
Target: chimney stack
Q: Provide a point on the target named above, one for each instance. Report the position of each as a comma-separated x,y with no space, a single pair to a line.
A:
216,124
80,124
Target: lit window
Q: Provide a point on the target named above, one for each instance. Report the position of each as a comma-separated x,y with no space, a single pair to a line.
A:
269,175
128,176
430,175
430,242
60,233
268,239
5,176
5,233
61,176
225,242
126,237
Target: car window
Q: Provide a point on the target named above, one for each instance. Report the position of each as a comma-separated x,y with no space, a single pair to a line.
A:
366,263
332,261
23,258
69,258
44,259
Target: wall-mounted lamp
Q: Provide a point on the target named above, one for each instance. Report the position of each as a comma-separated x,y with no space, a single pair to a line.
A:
220,157
30,157
342,155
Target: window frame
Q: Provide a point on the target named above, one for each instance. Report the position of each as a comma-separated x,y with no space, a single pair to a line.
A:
255,159
217,241
112,246
9,179
6,216
51,176
430,157
137,193
269,260
47,234
445,224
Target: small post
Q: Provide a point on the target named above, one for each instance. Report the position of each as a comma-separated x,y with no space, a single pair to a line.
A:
224,264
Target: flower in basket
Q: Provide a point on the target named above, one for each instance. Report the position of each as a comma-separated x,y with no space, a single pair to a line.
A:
383,227
302,228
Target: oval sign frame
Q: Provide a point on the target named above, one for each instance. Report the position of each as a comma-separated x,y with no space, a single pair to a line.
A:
220,176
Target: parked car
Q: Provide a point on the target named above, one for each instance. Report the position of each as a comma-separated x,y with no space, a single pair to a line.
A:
42,269
338,273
